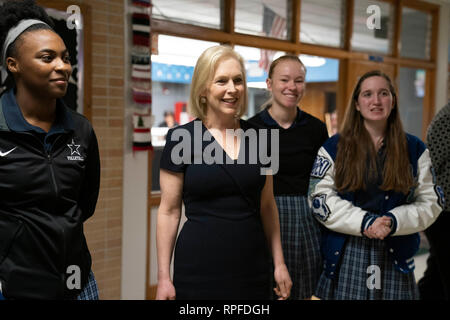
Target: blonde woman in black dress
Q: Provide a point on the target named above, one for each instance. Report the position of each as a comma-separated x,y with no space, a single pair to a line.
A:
223,250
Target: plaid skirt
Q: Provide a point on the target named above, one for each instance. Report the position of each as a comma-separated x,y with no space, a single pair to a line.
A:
90,291
300,239
367,272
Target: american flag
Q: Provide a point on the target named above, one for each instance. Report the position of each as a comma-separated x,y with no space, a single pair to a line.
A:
273,26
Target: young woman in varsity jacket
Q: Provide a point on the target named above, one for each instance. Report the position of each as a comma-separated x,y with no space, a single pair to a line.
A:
373,189
49,165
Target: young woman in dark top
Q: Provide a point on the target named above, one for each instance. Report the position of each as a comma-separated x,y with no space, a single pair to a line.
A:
301,136
49,165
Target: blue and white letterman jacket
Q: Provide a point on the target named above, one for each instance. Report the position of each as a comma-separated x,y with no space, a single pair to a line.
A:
341,217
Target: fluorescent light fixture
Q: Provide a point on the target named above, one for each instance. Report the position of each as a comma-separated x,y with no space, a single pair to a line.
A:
259,85
312,61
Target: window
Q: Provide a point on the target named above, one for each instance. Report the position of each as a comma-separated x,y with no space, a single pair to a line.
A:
322,22
411,86
263,18
373,26
204,13
415,35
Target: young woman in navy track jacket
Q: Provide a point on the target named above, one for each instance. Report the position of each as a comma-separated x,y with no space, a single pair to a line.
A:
49,165
372,187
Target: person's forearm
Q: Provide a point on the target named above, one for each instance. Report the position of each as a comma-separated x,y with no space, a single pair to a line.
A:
277,253
427,205
271,225
166,232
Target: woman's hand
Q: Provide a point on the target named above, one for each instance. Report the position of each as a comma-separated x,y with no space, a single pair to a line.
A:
284,282
379,229
166,290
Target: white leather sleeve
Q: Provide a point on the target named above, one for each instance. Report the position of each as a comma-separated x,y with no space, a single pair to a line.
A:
328,207
426,203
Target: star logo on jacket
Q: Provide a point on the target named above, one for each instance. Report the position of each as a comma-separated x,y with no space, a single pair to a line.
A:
74,152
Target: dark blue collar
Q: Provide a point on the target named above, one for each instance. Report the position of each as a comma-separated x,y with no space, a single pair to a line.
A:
16,121
269,121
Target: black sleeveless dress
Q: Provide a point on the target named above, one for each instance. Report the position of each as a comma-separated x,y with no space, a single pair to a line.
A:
221,251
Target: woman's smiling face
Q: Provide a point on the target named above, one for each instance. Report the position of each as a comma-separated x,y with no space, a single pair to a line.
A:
226,90
42,64
287,83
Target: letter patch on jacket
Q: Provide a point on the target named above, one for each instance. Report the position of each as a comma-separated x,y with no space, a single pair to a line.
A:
320,167
320,208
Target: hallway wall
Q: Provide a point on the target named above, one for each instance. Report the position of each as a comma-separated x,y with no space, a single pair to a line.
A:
104,229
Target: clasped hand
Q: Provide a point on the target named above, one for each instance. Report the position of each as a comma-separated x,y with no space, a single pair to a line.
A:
379,229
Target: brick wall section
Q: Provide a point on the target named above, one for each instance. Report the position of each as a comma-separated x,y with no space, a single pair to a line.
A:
104,230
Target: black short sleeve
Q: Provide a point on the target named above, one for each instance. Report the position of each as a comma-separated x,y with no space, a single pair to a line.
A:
174,160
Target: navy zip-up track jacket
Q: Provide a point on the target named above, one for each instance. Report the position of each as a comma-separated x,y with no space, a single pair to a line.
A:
49,185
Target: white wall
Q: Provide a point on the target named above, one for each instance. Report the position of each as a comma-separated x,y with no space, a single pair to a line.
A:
135,185
134,237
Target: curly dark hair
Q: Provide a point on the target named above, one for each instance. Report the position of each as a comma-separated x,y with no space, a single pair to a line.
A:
13,11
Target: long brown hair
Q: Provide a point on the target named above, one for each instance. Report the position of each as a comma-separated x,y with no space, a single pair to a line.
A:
356,154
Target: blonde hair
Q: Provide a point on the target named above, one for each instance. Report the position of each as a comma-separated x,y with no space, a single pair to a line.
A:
286,57
203,75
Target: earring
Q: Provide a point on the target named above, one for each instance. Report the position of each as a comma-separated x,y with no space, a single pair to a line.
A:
203,100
